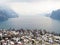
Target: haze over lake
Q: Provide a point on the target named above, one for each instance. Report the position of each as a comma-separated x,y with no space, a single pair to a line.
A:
31,14
32,22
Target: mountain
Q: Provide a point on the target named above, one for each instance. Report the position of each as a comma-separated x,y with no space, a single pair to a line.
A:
55,14
6,13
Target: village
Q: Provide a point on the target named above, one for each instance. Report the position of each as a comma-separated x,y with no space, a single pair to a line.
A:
28,37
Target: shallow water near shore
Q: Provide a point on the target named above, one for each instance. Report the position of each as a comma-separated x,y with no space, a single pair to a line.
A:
32,22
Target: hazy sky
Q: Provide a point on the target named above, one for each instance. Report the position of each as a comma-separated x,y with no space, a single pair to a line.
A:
27,7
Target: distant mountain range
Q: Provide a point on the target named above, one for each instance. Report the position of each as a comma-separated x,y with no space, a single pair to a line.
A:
6,13
55,14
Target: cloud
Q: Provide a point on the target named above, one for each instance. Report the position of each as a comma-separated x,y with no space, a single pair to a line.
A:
6,1
2,1
32,6
30,0
25,0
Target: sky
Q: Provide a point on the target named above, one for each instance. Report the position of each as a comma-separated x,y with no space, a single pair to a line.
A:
32,7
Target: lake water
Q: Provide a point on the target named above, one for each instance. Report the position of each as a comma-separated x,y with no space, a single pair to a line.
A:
32,22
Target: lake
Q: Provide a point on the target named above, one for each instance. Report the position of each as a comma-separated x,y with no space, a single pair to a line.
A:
32,22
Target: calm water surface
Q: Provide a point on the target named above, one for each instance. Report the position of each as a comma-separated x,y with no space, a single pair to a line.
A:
32,22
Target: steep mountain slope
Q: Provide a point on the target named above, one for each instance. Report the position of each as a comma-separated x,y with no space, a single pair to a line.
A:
6,13
55,14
